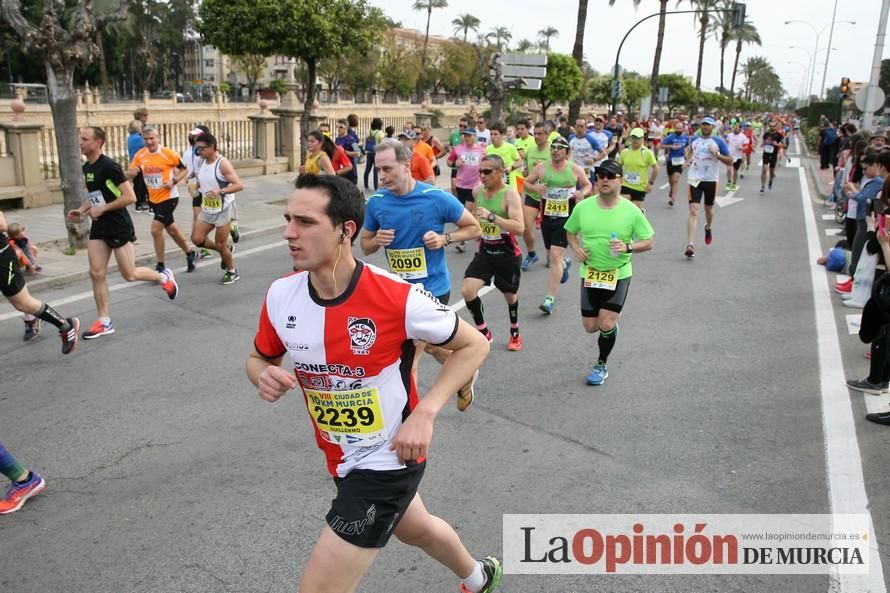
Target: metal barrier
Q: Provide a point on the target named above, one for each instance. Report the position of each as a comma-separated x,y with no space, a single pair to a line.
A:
49,158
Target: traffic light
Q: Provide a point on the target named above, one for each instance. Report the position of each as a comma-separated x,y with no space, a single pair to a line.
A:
738,15
845,87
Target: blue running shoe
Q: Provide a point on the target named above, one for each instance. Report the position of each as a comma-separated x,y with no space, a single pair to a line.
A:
567,265
547,305
528,262
598,375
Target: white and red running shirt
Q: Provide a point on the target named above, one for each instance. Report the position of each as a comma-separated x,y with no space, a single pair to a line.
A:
352,357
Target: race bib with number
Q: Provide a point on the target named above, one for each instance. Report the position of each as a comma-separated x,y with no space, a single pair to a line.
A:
471,158
211,205
678,161
597,279
768,148
410,264
632,178
96,198
351,417
154,180
490,231
557,202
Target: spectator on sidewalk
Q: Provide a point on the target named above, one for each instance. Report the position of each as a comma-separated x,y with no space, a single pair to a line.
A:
827,137
372,141
24,249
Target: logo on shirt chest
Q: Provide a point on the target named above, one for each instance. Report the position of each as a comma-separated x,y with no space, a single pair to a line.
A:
291,322
362,334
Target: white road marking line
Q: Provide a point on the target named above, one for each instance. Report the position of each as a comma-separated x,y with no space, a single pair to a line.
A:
843,461
122,285
853,321
877,403
828,217
461,303
665,186
833,233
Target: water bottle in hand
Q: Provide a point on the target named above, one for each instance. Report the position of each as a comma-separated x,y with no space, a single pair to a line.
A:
611,249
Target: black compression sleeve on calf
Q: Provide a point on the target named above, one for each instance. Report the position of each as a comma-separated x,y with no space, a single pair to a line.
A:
475,309
606,342
50,315
513,310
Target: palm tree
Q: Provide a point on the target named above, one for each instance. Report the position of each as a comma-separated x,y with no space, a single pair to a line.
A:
723,31
466,23
428,6
703,9
578,55
501,35
659,44
747,33
750,70
525,45
545,34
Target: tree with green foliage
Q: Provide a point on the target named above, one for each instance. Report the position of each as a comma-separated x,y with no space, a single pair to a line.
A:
460,72
681,93
884,80
326,28
466,23
64,39
578,55
545,35
251,66
399,67
598,90
633,91
428,6
704,9
746,34
563,82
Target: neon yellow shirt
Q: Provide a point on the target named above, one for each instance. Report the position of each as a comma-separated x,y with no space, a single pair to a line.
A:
636,165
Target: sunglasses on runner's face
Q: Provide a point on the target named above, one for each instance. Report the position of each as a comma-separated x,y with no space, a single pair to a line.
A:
486,171
605,175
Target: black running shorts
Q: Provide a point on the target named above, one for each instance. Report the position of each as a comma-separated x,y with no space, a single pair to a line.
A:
504,269
11,279
532,202
164,211
553,231
594,299
678,169
370,503
636,195
706,190
770,159
465,195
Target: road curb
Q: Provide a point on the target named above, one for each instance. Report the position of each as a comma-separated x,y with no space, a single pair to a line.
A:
814,175
63,279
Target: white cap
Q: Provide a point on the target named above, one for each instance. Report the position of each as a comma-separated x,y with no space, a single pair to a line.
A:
196,132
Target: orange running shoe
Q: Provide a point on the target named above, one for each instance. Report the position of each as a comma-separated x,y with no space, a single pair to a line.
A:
515,343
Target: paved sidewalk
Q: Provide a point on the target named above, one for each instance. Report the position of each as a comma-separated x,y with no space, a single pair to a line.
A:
260,209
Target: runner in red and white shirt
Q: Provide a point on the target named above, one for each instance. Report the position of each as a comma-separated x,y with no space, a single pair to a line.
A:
349,328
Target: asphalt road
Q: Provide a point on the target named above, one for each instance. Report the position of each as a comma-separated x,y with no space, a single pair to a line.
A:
167,474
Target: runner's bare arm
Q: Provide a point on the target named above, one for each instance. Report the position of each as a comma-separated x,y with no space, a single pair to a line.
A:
228,172
531,182
469,349
584,185
270,379
467,228
515,223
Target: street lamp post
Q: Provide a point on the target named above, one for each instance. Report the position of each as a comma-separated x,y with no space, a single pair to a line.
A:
812,69
818,34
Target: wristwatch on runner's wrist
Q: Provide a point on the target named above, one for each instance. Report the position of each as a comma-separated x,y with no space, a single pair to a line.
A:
491,216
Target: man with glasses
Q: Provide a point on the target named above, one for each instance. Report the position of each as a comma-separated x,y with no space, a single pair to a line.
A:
483,135
702,157
466,158
556,181
499,211
603,233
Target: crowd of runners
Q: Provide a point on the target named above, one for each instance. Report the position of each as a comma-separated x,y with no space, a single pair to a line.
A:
354,332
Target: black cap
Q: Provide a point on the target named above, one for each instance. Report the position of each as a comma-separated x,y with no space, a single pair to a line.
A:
610,166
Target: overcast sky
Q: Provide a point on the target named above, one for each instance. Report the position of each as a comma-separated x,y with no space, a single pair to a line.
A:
607,25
